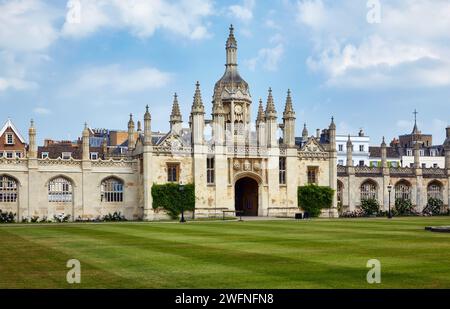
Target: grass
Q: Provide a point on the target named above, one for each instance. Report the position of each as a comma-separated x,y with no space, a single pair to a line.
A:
256,254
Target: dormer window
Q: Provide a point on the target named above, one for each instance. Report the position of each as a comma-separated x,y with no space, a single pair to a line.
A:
44,155
9,139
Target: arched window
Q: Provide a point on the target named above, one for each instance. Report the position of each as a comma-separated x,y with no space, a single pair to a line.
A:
368,190
8,189
112,190
60,190
435,190
340,190
403,190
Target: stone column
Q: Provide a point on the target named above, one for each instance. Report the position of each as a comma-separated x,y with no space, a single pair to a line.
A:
148,168
333,166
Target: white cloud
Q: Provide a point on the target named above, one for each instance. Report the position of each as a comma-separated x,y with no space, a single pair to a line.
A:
114,78
16,84
27,25
312,13
42,111
243,12
268,58
13,72
409,47
143,17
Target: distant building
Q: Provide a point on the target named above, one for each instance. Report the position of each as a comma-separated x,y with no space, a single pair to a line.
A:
12,144
360,143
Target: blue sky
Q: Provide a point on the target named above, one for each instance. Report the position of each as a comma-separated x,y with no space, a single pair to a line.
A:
62,66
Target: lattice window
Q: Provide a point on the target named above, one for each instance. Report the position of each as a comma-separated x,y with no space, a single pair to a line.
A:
368,191
435,191
112,190
60,190
173,171
210,170
403,191
312,175
282,167
8,190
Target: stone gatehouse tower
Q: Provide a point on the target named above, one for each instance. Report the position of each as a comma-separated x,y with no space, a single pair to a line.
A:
249,165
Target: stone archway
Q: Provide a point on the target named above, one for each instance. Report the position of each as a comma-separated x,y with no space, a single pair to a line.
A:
246,196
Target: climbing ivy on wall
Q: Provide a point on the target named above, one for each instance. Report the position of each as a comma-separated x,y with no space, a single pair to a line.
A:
313,199
171,198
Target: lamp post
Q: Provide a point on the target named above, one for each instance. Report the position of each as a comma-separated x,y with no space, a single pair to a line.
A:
389,187
181,188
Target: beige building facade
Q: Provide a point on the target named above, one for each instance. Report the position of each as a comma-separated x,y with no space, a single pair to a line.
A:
245,166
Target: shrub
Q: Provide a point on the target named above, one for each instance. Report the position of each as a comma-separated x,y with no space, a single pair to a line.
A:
403,207
116,216
433,207
7,217
61,218
370,207
172,199
313,199
352,214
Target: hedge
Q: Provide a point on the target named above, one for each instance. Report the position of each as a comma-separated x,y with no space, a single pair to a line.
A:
313,199
172,199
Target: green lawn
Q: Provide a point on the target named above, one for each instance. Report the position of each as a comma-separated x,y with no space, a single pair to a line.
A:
257,254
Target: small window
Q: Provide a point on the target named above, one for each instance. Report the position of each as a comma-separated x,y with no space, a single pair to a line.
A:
9,155
282,170
173,171
210,170
9,139
411,164
361,148
18,155
409,152
435,165
361,163
424,165
312,175
66,155
94,155
44,155
341,147
1,154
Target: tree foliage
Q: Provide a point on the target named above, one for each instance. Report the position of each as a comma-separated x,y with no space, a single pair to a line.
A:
173,198
313,199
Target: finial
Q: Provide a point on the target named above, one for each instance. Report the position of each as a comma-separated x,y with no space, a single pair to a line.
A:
131,116
146,108
32,123
85,125
197,85
231,29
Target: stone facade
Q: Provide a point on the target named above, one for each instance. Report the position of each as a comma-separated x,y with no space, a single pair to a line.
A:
222,166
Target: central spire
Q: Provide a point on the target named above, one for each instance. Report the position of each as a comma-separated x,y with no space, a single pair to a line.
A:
231,48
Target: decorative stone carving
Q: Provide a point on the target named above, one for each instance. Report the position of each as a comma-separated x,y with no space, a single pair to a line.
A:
237,165
257,166
247,166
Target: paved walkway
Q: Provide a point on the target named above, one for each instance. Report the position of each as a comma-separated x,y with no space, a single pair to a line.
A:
264,218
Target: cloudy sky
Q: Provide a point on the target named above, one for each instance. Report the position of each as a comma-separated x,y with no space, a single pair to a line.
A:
67,62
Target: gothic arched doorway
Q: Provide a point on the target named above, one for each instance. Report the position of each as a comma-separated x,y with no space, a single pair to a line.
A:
246,196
